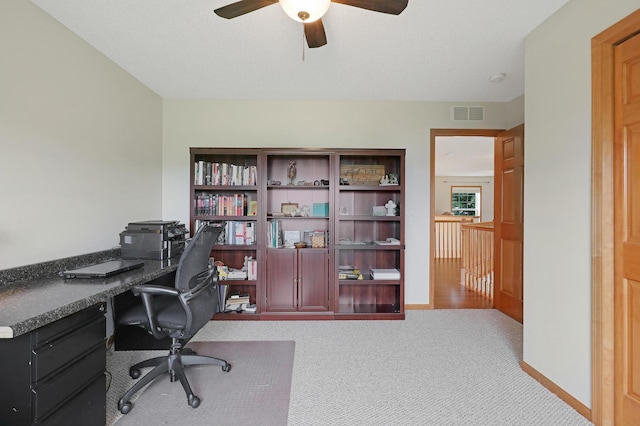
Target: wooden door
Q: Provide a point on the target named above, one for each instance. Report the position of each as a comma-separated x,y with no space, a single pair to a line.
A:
508,222
281,280
627,232
313,280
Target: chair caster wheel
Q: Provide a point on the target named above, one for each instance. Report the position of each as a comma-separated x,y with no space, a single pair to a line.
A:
134,374
188,351
194,402
226,367
126,407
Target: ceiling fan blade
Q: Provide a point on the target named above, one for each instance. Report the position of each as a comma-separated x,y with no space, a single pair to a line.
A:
315,35
393,7
242,7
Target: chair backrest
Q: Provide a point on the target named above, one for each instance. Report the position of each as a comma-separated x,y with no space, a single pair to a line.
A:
192,269
195,257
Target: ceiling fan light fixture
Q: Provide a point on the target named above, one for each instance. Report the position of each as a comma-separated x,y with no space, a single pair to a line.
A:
305,10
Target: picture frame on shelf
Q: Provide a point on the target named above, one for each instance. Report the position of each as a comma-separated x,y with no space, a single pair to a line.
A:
288,208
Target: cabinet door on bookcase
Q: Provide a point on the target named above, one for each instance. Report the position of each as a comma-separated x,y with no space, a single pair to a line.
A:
313,280
298,280
282,291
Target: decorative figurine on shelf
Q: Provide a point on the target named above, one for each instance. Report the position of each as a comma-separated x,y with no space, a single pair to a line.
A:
391,208
291,172
389,179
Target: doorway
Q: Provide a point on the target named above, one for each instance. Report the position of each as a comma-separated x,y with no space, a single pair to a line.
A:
447,277
463,199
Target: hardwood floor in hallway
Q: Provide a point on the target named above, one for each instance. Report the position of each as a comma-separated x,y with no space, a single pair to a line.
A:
449,293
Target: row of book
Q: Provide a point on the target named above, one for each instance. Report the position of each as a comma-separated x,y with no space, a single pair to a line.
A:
248,272
348,272
225,205
233,302
275,234
210,173
235,233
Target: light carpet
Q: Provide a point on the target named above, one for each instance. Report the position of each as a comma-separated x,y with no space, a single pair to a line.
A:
438,367
254,392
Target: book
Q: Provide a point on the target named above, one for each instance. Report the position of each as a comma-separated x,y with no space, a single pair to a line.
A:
385,274
249,308
388,242
353,274
237,274
252,269
222,297
253,208
348,272
234,301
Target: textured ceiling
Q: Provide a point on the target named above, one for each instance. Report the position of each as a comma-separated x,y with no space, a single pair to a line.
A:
436,50
464,156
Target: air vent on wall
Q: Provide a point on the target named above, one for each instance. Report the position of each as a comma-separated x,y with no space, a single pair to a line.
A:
467,113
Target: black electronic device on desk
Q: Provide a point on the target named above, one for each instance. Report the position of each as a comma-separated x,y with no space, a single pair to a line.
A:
153,239
103,270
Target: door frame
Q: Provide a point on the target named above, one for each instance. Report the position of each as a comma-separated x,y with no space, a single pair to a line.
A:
602,224
432,194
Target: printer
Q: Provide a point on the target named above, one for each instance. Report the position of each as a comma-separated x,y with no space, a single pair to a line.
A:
153,239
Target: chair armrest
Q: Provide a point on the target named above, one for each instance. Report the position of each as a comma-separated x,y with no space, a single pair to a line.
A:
147,292
155,290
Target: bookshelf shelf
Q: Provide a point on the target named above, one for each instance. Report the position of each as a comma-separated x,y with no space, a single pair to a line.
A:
371,218
362,310
298,187
303,283
378,188
226,188
297,217
369,246
219,218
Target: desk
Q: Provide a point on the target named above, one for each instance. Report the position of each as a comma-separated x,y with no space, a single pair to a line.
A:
52,331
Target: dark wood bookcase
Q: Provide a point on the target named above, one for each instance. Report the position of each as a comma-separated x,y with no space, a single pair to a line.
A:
338,205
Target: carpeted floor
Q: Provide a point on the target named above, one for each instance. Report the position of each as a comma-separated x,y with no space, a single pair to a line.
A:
255,391
439,367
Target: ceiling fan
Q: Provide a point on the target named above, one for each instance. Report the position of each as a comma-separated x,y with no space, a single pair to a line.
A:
310,12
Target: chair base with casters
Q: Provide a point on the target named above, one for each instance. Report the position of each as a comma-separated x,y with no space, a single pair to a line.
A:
172,364
177,313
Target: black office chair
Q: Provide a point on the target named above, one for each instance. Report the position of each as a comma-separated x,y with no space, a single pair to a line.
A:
178,313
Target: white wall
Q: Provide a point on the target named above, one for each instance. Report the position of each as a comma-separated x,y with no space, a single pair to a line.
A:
299,124
443,186
515,112
80,142
557,230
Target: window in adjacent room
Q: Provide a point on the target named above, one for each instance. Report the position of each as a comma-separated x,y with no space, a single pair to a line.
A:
465,200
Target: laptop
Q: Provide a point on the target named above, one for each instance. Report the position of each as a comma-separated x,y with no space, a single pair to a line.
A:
104,269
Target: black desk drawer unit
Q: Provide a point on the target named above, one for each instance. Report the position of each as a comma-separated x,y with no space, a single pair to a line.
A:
55,374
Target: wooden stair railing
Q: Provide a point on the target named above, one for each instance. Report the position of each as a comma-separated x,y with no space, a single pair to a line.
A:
448,233
477,257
